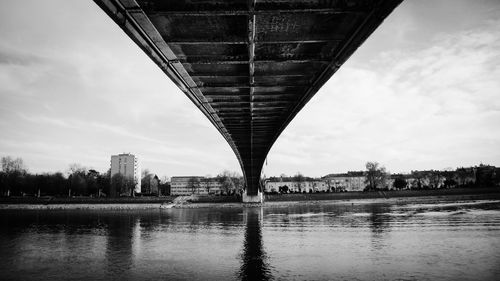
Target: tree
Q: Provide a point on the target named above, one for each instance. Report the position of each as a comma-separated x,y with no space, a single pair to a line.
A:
122,185
164,179
283,189
59,183
13,175
194,184
129,186
496,178
231,182
164,188
154,185
77,182
44,184
10,165
146,178
399,183
206,182
92,182
116,183
227,184
41,181
375,175
449,183
434,178
463,175
299,179
239,183
485,175
76,168
104,183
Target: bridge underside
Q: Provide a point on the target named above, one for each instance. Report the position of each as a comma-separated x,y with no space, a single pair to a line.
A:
250,66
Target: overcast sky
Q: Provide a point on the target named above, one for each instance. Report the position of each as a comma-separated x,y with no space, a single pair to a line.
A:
423,92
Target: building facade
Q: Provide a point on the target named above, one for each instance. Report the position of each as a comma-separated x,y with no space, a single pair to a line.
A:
350,181
127,165
307,186
188,185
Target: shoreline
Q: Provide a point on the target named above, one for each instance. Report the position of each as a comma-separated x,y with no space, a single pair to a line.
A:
466,195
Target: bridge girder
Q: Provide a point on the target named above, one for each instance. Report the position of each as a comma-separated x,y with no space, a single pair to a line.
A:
250,66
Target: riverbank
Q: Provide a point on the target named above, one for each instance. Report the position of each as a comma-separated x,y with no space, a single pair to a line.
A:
382,194
85,203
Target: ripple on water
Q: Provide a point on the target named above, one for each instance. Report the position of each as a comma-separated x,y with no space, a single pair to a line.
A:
383,241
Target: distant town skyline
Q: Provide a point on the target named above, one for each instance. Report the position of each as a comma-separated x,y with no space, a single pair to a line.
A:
421,93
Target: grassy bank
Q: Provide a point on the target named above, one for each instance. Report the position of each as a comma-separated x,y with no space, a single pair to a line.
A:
230,201
494,193
30,200
488,192
83,200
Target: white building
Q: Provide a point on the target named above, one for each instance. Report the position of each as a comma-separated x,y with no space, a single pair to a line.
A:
350,181
127,165
194,185
294,186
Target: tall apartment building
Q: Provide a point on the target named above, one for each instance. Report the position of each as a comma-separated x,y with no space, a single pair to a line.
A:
127,165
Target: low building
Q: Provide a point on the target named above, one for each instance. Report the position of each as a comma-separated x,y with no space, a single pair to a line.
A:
288,185
350,181
187,185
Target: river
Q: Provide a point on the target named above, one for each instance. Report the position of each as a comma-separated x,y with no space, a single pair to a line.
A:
363,240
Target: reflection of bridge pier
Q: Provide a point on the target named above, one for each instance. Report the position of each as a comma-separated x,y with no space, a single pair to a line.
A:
254,265
121,232
249,66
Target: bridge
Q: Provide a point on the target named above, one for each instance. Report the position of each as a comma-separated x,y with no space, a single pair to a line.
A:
249,65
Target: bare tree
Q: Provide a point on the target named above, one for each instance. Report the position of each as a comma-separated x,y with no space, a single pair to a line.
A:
12,174
194,184
10,165
76,179
239,183
434,178
299,179
164,179
206,182
76,168
375,175
231,182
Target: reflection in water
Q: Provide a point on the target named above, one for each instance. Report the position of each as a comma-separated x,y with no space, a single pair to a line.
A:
254,264
378,222
379,225
119,251
367,241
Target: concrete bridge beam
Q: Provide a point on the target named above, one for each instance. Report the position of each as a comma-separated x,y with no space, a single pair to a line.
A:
249,66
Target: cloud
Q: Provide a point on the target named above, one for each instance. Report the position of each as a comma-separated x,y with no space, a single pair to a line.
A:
409,108
420,93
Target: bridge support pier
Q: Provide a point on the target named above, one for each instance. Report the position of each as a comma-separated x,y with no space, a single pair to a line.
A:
253,198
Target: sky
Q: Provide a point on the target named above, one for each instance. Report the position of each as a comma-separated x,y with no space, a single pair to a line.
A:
423,92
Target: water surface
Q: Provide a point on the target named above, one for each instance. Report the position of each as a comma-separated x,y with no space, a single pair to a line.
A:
360,241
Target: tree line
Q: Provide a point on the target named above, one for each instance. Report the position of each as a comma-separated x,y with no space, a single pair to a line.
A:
376,177
478,176
15,180
230,183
